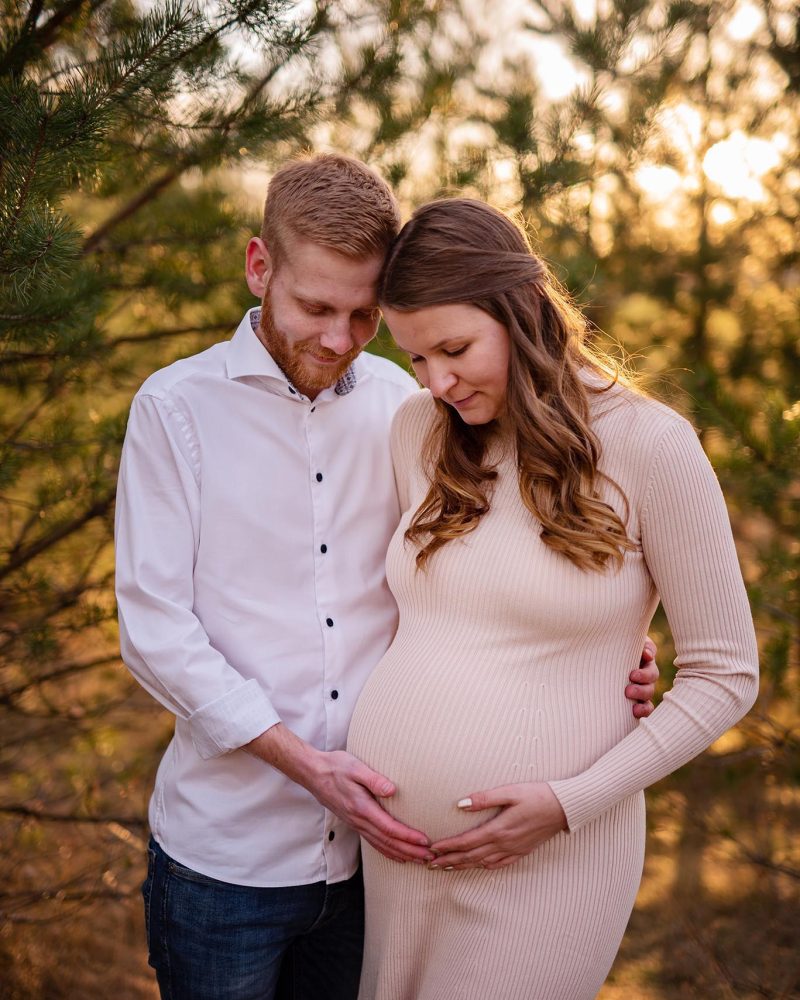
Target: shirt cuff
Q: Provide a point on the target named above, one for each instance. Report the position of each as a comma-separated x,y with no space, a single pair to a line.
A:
231,721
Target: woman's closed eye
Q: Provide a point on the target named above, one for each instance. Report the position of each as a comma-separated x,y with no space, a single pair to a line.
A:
417,359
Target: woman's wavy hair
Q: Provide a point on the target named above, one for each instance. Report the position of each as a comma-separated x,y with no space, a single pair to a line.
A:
459,250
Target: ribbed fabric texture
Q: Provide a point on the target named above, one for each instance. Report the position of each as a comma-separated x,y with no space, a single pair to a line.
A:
509,665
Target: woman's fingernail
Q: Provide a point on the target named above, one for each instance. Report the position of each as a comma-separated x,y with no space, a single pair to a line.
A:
448,868
433,865
465,803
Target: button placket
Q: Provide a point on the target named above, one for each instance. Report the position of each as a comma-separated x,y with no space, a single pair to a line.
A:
324,568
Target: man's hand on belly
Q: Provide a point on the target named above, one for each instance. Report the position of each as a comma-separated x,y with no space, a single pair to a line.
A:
642,687
529,815
346,786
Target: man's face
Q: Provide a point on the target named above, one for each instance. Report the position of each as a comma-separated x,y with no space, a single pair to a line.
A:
319,310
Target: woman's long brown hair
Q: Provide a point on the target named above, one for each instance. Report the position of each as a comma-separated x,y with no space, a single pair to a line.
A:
459,250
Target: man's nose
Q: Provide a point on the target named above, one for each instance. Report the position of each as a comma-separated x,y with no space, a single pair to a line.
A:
338,337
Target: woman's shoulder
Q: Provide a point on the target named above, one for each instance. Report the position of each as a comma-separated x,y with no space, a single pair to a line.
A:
638,435
410,436
415,416
622,410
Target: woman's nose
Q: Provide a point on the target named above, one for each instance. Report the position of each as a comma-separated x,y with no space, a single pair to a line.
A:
440,380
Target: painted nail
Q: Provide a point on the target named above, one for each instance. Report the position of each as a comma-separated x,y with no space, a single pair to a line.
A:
465,803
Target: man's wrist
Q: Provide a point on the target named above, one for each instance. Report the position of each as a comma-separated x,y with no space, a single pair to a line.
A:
284,750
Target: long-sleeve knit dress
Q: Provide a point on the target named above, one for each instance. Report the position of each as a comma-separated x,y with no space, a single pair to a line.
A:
509,665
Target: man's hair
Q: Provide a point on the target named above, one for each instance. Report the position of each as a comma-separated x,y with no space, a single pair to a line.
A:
333,201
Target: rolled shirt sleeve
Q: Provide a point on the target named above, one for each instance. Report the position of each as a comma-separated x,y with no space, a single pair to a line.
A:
688,546
157,534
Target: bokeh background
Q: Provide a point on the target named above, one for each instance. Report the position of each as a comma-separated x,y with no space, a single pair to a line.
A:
651,149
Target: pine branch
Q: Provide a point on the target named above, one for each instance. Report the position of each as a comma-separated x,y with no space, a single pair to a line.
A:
52,817
188,161
142,338
16,57
86,722
147,194
45,35
47,612
19,557
68,897
27,179
47,396
59,673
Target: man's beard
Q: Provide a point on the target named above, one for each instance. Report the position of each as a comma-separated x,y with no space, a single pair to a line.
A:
294,360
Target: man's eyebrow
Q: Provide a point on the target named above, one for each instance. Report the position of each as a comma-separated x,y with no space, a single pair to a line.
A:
321,304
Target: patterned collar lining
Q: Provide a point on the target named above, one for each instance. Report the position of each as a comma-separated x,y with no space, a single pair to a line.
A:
346,383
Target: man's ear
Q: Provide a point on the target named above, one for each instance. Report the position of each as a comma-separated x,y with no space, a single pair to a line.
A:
259,267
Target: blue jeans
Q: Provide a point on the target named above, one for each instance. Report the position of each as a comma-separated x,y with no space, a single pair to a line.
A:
210,940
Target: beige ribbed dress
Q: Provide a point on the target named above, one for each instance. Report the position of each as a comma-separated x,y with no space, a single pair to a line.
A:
510,664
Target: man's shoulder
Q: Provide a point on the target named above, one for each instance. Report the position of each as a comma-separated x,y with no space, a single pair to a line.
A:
207,364
387,372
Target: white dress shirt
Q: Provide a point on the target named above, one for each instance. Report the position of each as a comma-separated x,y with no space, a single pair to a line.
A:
252,526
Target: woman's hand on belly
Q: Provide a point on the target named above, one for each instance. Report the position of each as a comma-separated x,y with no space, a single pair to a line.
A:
529,815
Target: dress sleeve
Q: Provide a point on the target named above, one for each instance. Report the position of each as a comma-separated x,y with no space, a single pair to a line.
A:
163,643
689,550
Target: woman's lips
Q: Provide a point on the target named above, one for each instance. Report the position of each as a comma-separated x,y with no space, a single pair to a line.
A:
460,403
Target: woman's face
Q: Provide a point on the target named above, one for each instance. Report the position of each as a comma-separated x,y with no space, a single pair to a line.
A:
460,353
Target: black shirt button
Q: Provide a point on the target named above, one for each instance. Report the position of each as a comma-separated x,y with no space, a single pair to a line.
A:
319,477
331,835
292,391
323,548
329,622
334,694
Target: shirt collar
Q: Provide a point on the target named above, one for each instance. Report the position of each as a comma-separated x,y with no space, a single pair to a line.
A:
248,356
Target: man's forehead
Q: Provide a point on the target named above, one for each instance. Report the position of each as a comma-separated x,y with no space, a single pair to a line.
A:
320,274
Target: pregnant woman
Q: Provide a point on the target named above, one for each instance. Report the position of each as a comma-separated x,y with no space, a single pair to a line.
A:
547,508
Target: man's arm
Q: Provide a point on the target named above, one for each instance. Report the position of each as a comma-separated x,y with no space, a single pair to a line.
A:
163,642
346,786
167,649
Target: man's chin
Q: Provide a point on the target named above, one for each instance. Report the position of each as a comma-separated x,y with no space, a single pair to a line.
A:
319,375
308,378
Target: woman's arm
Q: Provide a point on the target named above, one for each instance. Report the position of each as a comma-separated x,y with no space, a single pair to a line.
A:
689,549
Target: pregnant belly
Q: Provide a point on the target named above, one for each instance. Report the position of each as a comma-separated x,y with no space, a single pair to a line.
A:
441,728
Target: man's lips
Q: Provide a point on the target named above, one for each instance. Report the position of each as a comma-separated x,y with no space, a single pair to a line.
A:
335,360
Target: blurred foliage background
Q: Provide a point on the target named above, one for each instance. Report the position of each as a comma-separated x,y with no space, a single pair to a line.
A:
651,149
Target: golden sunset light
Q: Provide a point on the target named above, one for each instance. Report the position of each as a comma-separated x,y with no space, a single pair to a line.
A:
380,381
